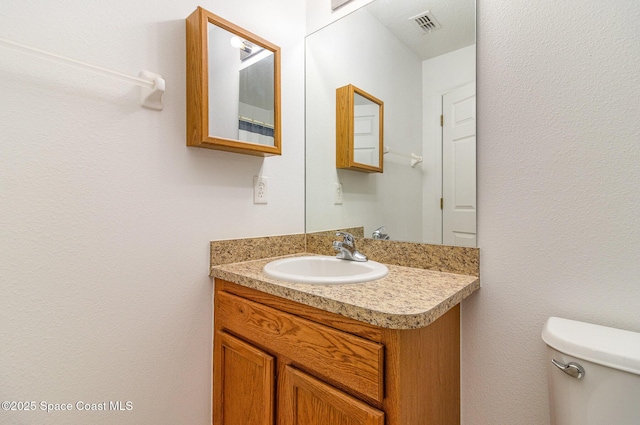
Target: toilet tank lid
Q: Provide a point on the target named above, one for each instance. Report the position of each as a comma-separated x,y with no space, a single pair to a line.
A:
609,347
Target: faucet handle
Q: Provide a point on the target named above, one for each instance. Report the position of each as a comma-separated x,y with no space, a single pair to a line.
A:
348,238
347,248
378,233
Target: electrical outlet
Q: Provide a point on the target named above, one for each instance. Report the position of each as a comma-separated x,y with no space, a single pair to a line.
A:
259,190
338,194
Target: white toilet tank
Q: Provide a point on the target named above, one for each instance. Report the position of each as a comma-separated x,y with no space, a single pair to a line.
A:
607,390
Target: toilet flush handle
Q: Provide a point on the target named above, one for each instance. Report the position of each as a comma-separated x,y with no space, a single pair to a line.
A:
572,369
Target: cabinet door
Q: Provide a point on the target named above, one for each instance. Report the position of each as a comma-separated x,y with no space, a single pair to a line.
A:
305,400
243,383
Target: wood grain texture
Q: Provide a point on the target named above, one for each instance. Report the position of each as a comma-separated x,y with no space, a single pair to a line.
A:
304,400
337,321
421,366
422,374
244,384
338,357
197,79
344,126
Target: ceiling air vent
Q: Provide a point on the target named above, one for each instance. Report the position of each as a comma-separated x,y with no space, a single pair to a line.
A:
426,21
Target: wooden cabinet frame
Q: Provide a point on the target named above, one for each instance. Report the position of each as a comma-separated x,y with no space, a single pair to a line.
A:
345,130
198,128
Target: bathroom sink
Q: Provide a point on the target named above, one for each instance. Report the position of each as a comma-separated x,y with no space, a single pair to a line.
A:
324,270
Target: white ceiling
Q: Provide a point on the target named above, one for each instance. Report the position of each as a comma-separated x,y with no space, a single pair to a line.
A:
456,17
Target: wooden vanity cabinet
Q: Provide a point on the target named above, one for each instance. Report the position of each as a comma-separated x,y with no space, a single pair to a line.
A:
278,362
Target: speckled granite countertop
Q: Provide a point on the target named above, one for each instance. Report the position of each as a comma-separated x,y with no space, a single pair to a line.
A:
407,298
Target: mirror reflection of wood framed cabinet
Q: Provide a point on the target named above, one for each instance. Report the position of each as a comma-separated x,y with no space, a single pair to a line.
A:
359,130
233,87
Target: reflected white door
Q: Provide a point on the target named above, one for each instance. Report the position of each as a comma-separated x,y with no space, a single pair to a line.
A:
366,129
459,167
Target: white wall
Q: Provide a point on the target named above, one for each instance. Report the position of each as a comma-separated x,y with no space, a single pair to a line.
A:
106,215
440,75
558,190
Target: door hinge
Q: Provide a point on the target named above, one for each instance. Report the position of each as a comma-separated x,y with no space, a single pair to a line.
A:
441,120
441,203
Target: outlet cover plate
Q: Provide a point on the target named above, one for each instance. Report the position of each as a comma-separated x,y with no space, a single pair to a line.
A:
338,194
259,190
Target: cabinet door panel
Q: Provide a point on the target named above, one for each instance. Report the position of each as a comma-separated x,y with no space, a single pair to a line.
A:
243,383
305,400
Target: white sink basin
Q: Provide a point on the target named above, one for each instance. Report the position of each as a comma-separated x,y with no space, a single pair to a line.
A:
323,270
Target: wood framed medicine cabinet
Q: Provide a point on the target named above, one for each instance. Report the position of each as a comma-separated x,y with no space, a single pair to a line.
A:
359,130
233,87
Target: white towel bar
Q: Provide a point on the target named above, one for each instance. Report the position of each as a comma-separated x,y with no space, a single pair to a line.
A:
415,159
152,85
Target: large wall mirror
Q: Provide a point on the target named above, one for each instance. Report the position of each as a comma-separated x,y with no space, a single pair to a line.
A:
419,56
233,87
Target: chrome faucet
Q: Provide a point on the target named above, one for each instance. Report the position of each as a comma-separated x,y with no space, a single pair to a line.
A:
377,234
347,248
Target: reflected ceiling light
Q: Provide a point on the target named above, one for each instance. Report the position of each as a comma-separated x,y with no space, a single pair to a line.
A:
241,44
